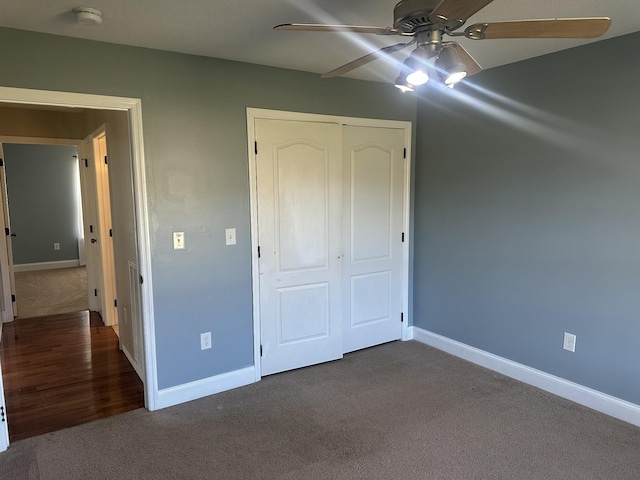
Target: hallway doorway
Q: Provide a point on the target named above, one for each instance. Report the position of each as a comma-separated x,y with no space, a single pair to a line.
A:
42,208
122,118
52,201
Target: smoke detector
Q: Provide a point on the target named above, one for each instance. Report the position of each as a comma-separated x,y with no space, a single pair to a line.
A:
88,16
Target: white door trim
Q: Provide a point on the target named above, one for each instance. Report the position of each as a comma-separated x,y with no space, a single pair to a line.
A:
255,113
133,106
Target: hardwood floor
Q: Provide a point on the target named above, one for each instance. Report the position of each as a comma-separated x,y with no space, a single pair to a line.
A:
64,370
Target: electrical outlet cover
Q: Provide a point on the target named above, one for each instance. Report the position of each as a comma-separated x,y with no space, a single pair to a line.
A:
205,341
569,342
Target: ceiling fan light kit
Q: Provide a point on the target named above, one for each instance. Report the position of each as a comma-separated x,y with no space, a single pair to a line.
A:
419,66
418,77
401,82
449,62
426,22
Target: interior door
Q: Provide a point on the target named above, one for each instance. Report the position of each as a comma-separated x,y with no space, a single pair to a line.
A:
91,223
105,225
299,191
373,160
10,293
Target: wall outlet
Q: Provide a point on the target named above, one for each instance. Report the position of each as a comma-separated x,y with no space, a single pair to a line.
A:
178,240
56,246
205,340
569,342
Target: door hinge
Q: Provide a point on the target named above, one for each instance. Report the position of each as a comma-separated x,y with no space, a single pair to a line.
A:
260,350
404,153
258,251
115,303
2,419
13,298
402,237
111,232
255,147
6,231
86,162
106,162
95,292
141,280
401,317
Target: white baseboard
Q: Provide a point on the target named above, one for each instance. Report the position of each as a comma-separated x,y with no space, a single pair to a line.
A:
602,402
30,267
202,388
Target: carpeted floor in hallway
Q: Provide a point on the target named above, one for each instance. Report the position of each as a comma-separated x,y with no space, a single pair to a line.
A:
50,292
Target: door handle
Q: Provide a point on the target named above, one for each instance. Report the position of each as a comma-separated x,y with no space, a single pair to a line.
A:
13,234
94,240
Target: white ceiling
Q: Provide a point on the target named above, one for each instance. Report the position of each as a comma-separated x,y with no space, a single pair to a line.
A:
242,29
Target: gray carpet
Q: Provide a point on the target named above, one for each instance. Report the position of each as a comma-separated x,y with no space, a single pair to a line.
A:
398,411
50,292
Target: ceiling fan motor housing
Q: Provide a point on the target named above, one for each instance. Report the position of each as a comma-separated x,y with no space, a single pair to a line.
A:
411,15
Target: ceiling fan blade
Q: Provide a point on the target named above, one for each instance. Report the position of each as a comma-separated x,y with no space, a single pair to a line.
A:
315,27
469,62
458,10
370,57
552,28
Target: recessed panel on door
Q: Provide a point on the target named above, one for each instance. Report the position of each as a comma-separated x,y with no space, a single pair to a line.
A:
303,313
371,203
302,185
370,298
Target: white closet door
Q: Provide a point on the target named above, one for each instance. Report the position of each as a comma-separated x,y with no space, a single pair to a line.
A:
373,160
299,227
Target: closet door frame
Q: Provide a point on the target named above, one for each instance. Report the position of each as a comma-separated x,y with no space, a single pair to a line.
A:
255,113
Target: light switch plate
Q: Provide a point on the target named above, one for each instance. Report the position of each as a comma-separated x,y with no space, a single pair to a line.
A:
230,235
178,240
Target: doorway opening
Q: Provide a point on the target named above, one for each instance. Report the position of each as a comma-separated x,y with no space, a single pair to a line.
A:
42,208
122,138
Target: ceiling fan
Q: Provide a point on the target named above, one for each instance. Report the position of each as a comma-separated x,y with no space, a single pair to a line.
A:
426,22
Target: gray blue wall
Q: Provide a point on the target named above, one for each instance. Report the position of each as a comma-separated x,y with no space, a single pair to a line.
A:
194,118
526,197
43,203
527,214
